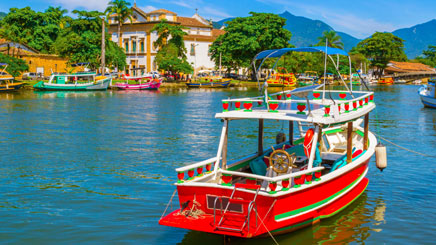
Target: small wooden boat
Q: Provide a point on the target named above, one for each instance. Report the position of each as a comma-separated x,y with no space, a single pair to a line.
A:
222,83
150,84
7,82
386,81
428,95
282,79
294,183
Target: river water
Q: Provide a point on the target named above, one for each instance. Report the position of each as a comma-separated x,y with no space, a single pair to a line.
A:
99,167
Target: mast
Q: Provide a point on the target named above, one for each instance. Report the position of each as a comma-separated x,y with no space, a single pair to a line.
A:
103,46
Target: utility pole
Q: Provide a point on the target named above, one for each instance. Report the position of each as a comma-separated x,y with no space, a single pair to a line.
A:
103,47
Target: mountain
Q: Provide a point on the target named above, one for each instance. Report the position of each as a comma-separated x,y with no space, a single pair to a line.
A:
417,38
2,14
221,23
305,31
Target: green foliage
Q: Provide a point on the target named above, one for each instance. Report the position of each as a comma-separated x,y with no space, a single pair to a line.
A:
381,48
172,52
36,29
333,40
429,56
122,10
81,42
167,59
15,66
247,36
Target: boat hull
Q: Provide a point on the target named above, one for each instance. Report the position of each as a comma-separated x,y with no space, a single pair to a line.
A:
10,87
143,86
224,84
427,95
92,86
289,212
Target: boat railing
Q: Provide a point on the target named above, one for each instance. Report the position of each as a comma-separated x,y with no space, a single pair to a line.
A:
335,97
299,178
190,169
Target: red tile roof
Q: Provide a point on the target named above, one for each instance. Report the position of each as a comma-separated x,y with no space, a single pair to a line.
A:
395,66
190,22
161,11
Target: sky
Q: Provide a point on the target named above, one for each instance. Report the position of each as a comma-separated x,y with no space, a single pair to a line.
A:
357,18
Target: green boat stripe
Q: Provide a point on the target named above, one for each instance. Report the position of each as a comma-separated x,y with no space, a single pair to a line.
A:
238,166
338,130
315,205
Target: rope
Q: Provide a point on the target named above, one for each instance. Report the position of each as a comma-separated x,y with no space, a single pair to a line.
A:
266,215
170,201
406,149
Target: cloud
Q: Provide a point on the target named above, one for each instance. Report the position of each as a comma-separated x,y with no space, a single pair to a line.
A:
214,13
336,16
148,8
86,4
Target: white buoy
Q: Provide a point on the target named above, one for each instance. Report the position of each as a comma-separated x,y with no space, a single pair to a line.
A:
381,160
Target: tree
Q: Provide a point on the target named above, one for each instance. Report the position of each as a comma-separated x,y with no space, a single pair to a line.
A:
381,48
429,56
171,55
122,11
247,36
81,42
39,30
333,40
15,66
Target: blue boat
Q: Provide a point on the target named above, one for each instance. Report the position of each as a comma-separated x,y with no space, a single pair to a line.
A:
427,94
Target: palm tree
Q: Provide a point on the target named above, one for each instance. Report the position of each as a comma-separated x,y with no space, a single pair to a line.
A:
122,10
333,39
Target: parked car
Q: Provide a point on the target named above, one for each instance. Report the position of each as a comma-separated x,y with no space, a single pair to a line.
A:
231,75
32,76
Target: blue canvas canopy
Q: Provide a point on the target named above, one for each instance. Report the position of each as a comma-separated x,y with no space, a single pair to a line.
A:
274,53
3,64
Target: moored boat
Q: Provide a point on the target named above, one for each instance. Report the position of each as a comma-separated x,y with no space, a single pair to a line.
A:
150,84
7,81
427,94
220,83
386,81
282,79
292,184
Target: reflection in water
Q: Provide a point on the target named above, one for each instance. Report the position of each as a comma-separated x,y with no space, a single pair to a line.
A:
353,224
99,167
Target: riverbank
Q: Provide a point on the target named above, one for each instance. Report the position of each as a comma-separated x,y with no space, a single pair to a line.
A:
173,84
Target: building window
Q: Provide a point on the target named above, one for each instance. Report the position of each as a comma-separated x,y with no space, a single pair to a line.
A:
126,45
192,49
142,46
134,46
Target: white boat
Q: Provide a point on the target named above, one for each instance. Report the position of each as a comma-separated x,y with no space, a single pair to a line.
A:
427,94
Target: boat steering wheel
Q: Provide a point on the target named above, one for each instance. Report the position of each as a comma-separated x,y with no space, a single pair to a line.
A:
280,161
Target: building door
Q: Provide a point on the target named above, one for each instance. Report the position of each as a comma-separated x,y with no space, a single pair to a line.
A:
40,71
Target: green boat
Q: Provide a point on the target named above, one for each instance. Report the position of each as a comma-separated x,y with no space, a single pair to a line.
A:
80,81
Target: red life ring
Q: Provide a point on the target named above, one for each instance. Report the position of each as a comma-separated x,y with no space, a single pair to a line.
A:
308,141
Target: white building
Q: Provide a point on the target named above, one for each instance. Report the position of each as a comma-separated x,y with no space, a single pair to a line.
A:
137,39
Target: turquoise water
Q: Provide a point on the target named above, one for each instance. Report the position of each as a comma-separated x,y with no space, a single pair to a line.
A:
99,167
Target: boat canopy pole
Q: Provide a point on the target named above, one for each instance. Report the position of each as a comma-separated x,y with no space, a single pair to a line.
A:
325,70
342,79
220,147
351,77
260,138
4,69
349,142
313,149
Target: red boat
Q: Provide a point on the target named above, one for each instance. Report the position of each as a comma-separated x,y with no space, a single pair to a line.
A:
290,185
